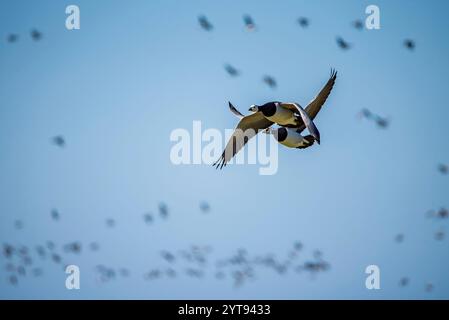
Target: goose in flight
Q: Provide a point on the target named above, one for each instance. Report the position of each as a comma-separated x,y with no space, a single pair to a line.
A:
291,116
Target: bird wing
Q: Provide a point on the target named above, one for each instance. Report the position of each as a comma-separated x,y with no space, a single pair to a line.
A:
235,111
315,105
306,119
247,128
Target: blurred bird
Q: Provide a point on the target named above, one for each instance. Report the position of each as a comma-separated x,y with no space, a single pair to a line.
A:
439,235
249,22
233,72
40,251
148,218
168,256
409,44
297,246
74,247
11,38
163,210
110,222
50,245
382,122
8,250
429,287
399,238
358,24
56,258
18,224
343,44
443,168
12,279
59,141
204,23
270,81
303,22
290,115
204,207
36,35
55,214
404,281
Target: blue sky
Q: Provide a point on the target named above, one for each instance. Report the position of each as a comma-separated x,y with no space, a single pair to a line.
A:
117,87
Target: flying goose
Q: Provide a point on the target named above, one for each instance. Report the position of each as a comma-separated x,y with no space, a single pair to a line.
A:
286,113
247,128
291,137
289,115
249,22
204,23
250,125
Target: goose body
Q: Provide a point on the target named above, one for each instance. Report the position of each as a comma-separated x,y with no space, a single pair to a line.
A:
274,112
291,138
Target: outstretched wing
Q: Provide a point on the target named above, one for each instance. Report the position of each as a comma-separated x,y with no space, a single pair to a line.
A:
247,128
306,119
235,111
315,105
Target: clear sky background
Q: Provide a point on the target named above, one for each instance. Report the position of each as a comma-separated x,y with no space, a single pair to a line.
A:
136,70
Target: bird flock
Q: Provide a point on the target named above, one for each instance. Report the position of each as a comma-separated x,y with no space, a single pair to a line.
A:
197,261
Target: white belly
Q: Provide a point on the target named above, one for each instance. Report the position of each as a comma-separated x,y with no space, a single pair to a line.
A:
294,139
283,116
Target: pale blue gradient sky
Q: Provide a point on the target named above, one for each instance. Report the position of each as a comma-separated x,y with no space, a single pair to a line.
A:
137,70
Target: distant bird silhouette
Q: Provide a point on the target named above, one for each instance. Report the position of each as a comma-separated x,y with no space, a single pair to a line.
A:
12,279
381,122
163,210
56,258
343,44
40,251
270,81
443,168
439,235
233,72
74,247
8,250
18,224
404,281
399,238
249,22
36,35
110,222
303,22
148,218
409,44
59,141
204,23
442,213
50,245
168,256
55,214
297,246
204,207
11,38
429,287
358,24
153,274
